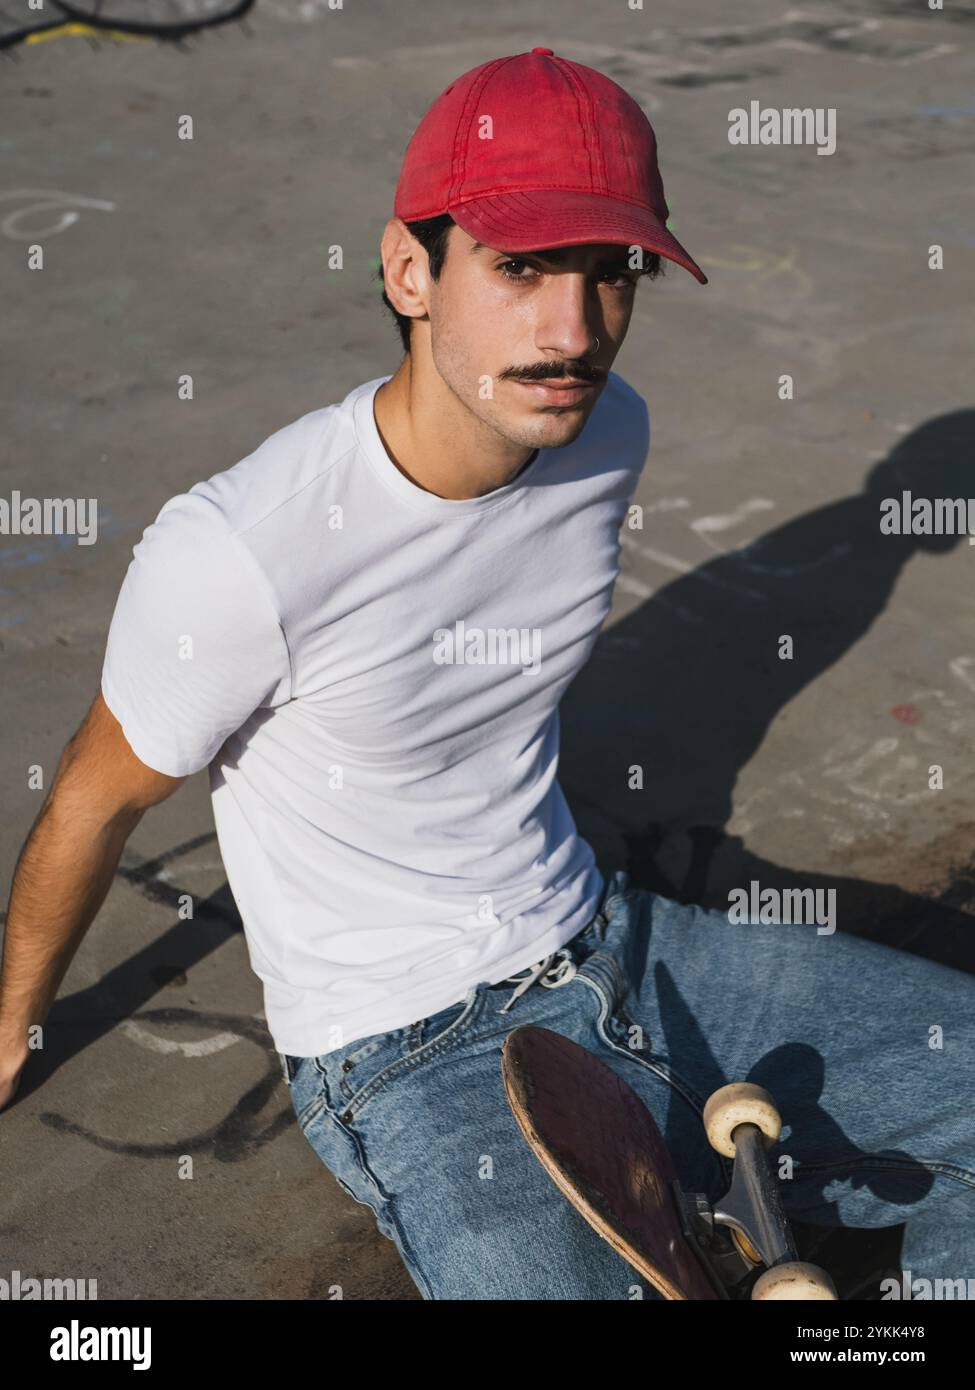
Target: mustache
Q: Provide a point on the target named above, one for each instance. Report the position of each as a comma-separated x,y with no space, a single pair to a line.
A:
552,371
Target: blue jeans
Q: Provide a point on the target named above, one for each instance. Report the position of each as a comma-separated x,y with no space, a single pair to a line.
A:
879,1123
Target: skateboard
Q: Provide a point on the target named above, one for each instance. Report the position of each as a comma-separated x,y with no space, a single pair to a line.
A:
600,1144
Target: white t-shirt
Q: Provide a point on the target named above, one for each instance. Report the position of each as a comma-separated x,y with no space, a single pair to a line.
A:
372,674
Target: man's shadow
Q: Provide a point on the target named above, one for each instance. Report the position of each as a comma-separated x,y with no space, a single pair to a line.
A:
687,686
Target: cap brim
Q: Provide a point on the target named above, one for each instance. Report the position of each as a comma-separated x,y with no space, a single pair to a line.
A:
552,217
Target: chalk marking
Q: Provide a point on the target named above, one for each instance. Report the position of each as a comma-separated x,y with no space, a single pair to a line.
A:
961,667
723,523
740,557
764,264
880,748
667,504
691,571
50,199
85,31
205,1047
635,587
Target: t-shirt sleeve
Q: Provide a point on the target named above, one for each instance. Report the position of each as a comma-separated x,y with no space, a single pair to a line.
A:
196,644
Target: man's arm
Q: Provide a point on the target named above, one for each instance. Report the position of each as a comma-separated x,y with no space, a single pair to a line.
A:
64,872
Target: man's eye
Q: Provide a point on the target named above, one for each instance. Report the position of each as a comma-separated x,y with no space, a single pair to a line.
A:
513,270
509,275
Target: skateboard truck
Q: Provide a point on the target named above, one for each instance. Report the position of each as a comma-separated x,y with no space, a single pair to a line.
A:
751,1210
741,1121
601,1146
721,1251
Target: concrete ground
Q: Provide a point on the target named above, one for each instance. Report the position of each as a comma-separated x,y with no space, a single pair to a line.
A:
164,257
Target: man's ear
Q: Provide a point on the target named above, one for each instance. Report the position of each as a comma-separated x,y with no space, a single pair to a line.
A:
406,270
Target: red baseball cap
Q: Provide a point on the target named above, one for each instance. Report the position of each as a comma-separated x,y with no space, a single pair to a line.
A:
534,151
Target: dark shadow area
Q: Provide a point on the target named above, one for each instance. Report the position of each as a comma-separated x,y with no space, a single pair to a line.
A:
687,686
78,1020
857,1258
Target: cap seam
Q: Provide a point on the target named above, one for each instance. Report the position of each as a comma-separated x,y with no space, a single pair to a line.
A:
458,161
506,189
586,123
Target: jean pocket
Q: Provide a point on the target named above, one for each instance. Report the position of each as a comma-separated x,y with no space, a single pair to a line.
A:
437,1034
431,1029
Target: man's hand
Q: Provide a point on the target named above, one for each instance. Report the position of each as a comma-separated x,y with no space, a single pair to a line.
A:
8,1087
64,871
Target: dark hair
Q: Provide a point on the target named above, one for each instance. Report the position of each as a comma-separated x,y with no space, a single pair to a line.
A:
432,235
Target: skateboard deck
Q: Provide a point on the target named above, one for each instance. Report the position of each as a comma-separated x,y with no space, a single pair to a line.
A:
600,1144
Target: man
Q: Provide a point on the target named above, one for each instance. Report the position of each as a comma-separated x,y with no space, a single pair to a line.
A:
363,630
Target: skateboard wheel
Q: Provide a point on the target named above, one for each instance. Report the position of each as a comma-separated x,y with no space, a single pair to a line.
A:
794,1280
741,1103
